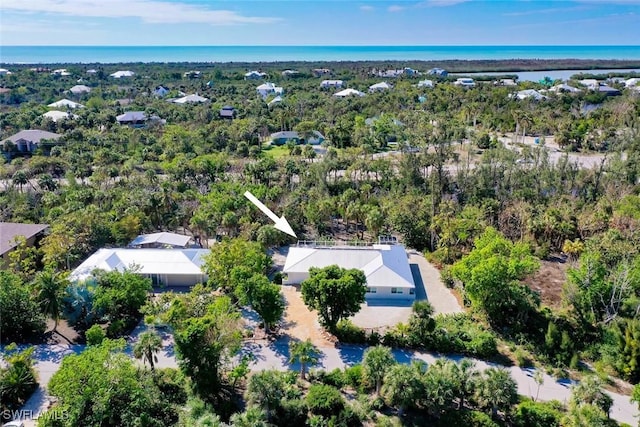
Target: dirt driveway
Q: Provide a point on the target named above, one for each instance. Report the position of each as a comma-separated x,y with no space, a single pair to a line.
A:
299,322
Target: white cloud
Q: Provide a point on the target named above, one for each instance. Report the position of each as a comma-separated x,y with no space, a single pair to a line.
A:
149,11
443,3
367,8
395,8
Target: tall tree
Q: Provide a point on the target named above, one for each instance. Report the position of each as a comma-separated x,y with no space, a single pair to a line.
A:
376,361
149,343
50,286
336,293
402,386
304,353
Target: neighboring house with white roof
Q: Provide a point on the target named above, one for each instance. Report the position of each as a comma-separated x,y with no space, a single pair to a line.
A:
4,72
438,72
425,83
165,267
92,71
380,87
348,92
325,84
289,73
465,82
28,141
254,75
56,115
80,89
266,89
506,82
528,93
61,72
65,103
138,119
278,99
190,99
162,240
121,74
564,88
386,267
590,83
161,91
632,82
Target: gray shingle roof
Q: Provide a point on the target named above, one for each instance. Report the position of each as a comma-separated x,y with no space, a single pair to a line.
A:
32,135
10,230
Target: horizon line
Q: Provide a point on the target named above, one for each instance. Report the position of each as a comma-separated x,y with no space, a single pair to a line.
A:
331,45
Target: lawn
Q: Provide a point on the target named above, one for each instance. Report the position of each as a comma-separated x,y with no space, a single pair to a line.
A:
276,152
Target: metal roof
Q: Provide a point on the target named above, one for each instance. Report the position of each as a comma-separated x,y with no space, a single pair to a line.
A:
163,238
383,265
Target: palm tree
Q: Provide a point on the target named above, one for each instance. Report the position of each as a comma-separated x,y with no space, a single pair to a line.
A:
498,390
147,346
402,386
252,417
265,390
376,361
303,352
49,286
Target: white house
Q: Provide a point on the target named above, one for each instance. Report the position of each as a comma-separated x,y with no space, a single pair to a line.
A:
121,74
632,82
564,88
289,73
380,87
65,103
278,99
61,72
465,82
348,92
528,93
280,138
162,240
506,82
190,99
386,267
254,75
55,115
266,89
590,83
438,72
425,83
160,91
4,72
168,267
331,84
80,89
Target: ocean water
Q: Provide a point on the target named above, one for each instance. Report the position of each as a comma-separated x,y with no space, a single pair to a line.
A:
116,54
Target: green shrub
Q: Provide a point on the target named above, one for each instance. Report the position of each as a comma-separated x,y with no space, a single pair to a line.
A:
536,414
347,332
324,400
290,412
116,328
95,335
466,418
459,333
447,277
353,376
335,378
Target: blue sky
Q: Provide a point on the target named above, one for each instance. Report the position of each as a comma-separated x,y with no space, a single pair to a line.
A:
319,22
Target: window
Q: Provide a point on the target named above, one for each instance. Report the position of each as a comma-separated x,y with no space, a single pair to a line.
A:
371,290
396,290
412,291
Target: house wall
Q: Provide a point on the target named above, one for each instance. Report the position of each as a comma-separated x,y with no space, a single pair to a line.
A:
382,292
176,279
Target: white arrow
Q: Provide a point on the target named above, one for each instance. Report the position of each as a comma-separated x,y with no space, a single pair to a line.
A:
280,223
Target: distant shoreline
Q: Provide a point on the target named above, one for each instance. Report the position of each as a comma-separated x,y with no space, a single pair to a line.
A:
453,66
602,56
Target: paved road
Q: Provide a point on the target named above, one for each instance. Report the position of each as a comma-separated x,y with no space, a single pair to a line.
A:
275,355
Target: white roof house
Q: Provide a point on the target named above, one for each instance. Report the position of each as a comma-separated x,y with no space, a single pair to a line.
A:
80,89
590,83
4,72
161,240
278,99
528,93
634,81
65,103
120,74
266,89
348,92
379,87
564,88
386,267
168,267
254,75
61,72
160,91
194,98
55,115
465,82
425,83
331,83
